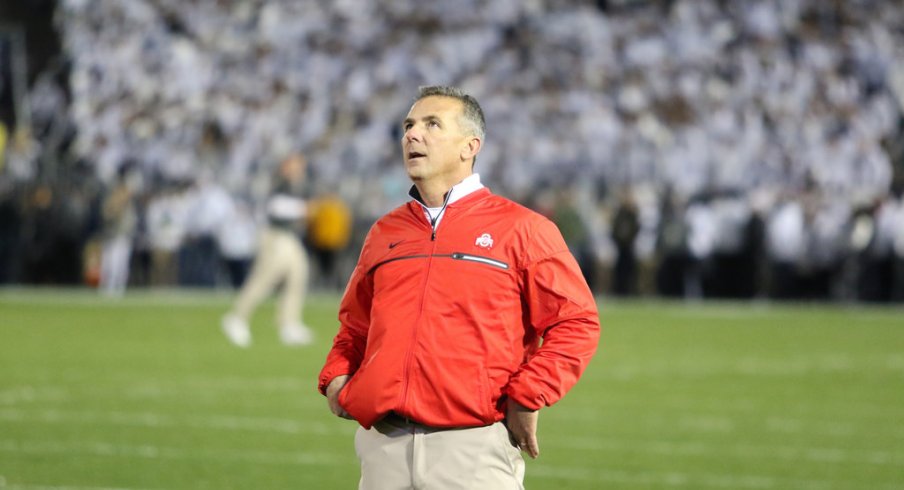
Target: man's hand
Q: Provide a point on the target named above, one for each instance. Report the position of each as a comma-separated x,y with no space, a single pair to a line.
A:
522,424
332,396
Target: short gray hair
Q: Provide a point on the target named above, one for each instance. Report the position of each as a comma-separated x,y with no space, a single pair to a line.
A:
472,115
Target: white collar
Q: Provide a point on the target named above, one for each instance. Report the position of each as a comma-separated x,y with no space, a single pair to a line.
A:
458,191
468,185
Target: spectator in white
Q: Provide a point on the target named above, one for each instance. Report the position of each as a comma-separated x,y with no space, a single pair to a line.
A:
877,262
785,247
898,245
165,216
702,234
209,207
280,258
119,223
237,241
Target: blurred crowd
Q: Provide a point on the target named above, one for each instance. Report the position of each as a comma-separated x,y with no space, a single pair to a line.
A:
691,148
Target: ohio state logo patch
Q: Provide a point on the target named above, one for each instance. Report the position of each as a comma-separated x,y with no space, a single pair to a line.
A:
484,241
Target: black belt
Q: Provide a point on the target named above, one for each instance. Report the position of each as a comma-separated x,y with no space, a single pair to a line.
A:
403,422
397,420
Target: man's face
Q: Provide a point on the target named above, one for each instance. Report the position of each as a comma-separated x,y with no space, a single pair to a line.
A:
433,140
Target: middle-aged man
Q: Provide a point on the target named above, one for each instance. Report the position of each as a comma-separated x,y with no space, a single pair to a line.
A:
439,355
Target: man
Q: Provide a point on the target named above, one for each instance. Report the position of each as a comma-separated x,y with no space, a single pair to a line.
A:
120,220
280,259
438,351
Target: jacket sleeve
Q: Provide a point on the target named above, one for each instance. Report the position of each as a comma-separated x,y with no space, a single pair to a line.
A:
560,309
354,321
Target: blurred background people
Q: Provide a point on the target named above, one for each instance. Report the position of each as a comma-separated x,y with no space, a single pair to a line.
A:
705,99
120,221
625,229
280,261
328,234
237,240
165,218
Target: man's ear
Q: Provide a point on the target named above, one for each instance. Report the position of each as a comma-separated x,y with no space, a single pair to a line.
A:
471,148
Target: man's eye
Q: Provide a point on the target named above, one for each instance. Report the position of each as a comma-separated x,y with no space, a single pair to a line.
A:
433,123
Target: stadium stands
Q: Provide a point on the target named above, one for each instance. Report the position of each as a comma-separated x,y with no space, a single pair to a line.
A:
769,131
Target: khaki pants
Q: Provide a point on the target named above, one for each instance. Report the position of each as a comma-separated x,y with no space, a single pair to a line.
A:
280,258
397,456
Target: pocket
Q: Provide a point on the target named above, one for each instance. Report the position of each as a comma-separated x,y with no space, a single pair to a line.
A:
455,390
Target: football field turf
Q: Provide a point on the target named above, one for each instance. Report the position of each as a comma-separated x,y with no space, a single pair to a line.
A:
145,393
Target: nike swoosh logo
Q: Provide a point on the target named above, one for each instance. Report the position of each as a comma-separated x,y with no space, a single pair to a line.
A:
393,245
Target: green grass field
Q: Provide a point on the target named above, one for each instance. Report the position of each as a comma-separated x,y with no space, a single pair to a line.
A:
145,393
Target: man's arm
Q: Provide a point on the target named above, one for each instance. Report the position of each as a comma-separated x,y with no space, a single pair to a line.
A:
350,343
561,310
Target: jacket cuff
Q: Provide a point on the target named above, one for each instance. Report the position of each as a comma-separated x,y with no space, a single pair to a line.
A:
529,402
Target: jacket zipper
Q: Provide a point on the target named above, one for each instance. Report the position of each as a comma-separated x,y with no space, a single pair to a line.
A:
454,255
404,257
433,221
403,398
479,258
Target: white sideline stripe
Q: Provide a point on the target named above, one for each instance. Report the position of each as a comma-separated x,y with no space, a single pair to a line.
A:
726,412
108,449
689,480
168,298
57,487
741,451
721,423
150,419
208,388
753,367
31,394
135,297
4,485
211,383
284,383
709,480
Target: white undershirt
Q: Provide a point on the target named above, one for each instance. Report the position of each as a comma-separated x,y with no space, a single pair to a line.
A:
470,184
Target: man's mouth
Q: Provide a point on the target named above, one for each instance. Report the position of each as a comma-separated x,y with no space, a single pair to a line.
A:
415,154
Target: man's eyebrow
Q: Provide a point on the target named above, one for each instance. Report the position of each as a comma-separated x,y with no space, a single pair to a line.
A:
429,118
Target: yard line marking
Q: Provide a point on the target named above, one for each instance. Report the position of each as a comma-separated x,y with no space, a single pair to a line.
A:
155,420
703,413
31,394
741,451
143,297
674,479
207,389
698,419
133,382
19,486
709,480
108,449
36,486
753,366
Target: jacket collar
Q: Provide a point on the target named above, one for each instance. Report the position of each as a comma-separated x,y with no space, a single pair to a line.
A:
467,186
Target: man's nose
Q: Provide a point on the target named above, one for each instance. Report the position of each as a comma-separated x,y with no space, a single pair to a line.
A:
413,134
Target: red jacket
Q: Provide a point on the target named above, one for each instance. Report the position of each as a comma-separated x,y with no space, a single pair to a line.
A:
441,325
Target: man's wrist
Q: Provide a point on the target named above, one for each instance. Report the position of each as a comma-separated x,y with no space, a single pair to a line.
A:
326,381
